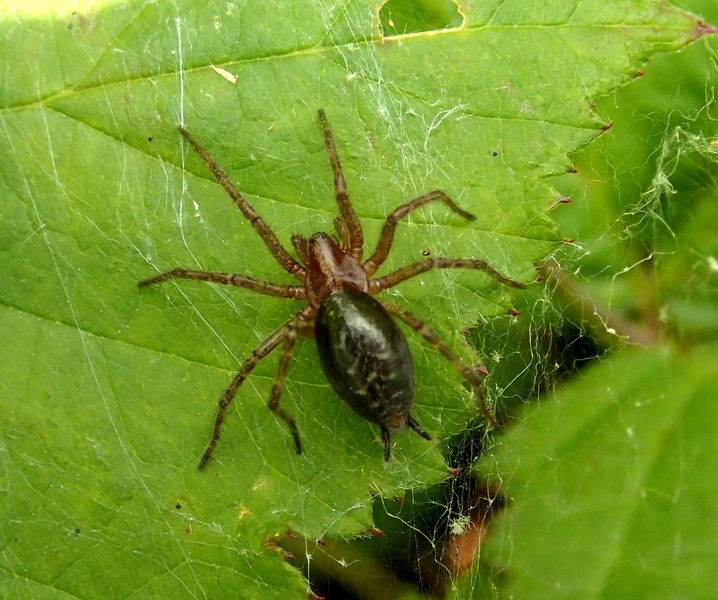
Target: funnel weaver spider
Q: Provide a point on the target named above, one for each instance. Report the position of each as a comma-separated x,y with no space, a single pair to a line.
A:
363,353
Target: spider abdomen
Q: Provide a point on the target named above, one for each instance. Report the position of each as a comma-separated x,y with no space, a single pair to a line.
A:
365,357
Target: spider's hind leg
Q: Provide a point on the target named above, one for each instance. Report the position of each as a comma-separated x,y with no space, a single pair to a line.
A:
286,333
289,341
258,354
386,440
423,329
413,424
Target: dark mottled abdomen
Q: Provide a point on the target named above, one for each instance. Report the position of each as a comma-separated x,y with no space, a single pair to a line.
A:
365,357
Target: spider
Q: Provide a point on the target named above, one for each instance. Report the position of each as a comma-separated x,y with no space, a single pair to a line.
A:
363,352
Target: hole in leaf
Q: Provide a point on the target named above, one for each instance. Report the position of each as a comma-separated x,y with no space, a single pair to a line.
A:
399,17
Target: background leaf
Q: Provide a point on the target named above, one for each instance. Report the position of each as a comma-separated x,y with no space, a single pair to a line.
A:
602,516
109,393
612,484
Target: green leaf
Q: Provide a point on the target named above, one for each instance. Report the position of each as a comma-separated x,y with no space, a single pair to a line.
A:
109,393
613,483
646,199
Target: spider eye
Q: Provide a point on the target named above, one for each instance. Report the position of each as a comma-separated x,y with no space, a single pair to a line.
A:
320,236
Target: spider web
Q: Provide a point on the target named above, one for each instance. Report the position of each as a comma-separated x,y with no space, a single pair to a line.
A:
106,192
638,271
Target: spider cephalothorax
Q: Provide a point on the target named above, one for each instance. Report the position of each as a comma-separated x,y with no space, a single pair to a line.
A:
363,353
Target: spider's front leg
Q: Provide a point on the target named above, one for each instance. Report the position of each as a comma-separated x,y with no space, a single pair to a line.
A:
260,226
386,238
350,221
256,285
422,266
